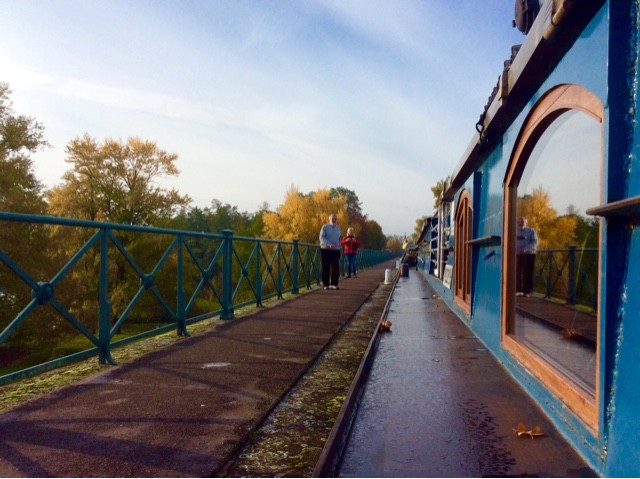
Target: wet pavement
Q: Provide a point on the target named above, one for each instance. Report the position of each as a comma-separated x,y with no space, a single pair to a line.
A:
437,404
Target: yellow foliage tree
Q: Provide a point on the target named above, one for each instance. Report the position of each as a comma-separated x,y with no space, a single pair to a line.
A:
117,181
553,231
301,216
394,243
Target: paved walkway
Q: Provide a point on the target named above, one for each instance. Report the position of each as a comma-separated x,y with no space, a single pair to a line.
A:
184,410
437,404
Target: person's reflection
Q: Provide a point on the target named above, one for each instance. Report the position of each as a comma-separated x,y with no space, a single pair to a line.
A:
527,243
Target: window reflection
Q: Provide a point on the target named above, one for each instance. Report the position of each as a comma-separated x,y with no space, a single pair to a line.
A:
557,247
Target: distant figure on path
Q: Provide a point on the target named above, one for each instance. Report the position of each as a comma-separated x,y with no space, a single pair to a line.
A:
405,245
330,234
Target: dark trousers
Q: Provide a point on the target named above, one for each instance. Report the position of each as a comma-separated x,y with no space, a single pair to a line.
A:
330,259
524,272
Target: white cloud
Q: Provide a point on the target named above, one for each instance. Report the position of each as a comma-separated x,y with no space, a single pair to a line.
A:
16,73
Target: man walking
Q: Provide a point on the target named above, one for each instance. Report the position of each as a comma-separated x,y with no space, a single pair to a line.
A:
330,234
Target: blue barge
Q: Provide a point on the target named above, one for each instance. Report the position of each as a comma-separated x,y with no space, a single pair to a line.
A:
556,150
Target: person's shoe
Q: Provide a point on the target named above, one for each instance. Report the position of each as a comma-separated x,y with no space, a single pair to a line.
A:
325,287
348,276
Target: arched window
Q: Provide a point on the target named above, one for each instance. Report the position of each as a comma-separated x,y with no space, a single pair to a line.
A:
462,253
551,248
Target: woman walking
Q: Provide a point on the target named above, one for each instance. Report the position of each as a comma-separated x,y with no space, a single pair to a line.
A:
350,243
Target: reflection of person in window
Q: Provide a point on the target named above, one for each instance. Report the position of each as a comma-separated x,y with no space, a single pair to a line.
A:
526,245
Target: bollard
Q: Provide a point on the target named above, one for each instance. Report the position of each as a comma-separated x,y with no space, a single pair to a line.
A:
404,272
398,264
388,278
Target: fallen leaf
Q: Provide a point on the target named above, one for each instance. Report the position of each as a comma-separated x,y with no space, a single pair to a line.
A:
536,431
522,430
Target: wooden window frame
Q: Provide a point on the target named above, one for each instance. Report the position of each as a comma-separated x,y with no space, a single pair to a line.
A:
555,102
462,253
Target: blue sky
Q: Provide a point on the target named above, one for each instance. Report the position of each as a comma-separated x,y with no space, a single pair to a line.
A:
380,97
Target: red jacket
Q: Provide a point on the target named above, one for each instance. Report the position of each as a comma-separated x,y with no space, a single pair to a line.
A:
350,244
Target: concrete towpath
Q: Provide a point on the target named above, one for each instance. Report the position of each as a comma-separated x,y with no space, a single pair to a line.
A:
182,411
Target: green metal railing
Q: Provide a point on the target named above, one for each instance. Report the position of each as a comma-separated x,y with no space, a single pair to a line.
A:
106,277
570,274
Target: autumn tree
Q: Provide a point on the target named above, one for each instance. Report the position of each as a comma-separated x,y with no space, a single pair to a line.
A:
394,243
438,191
553,231
301,216
417,229
117,182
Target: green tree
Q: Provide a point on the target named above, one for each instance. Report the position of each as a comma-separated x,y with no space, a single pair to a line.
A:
354,205
372,236
216,218
25,243
356,218
20,136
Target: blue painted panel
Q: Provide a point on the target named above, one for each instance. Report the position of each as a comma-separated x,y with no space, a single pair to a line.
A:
622,409
586,64
622,348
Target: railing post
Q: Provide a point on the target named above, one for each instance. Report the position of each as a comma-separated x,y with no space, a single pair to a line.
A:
549,280
318,266
279,282
571,287
104,320
258,274
227,270
308,266
295,271
181,318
